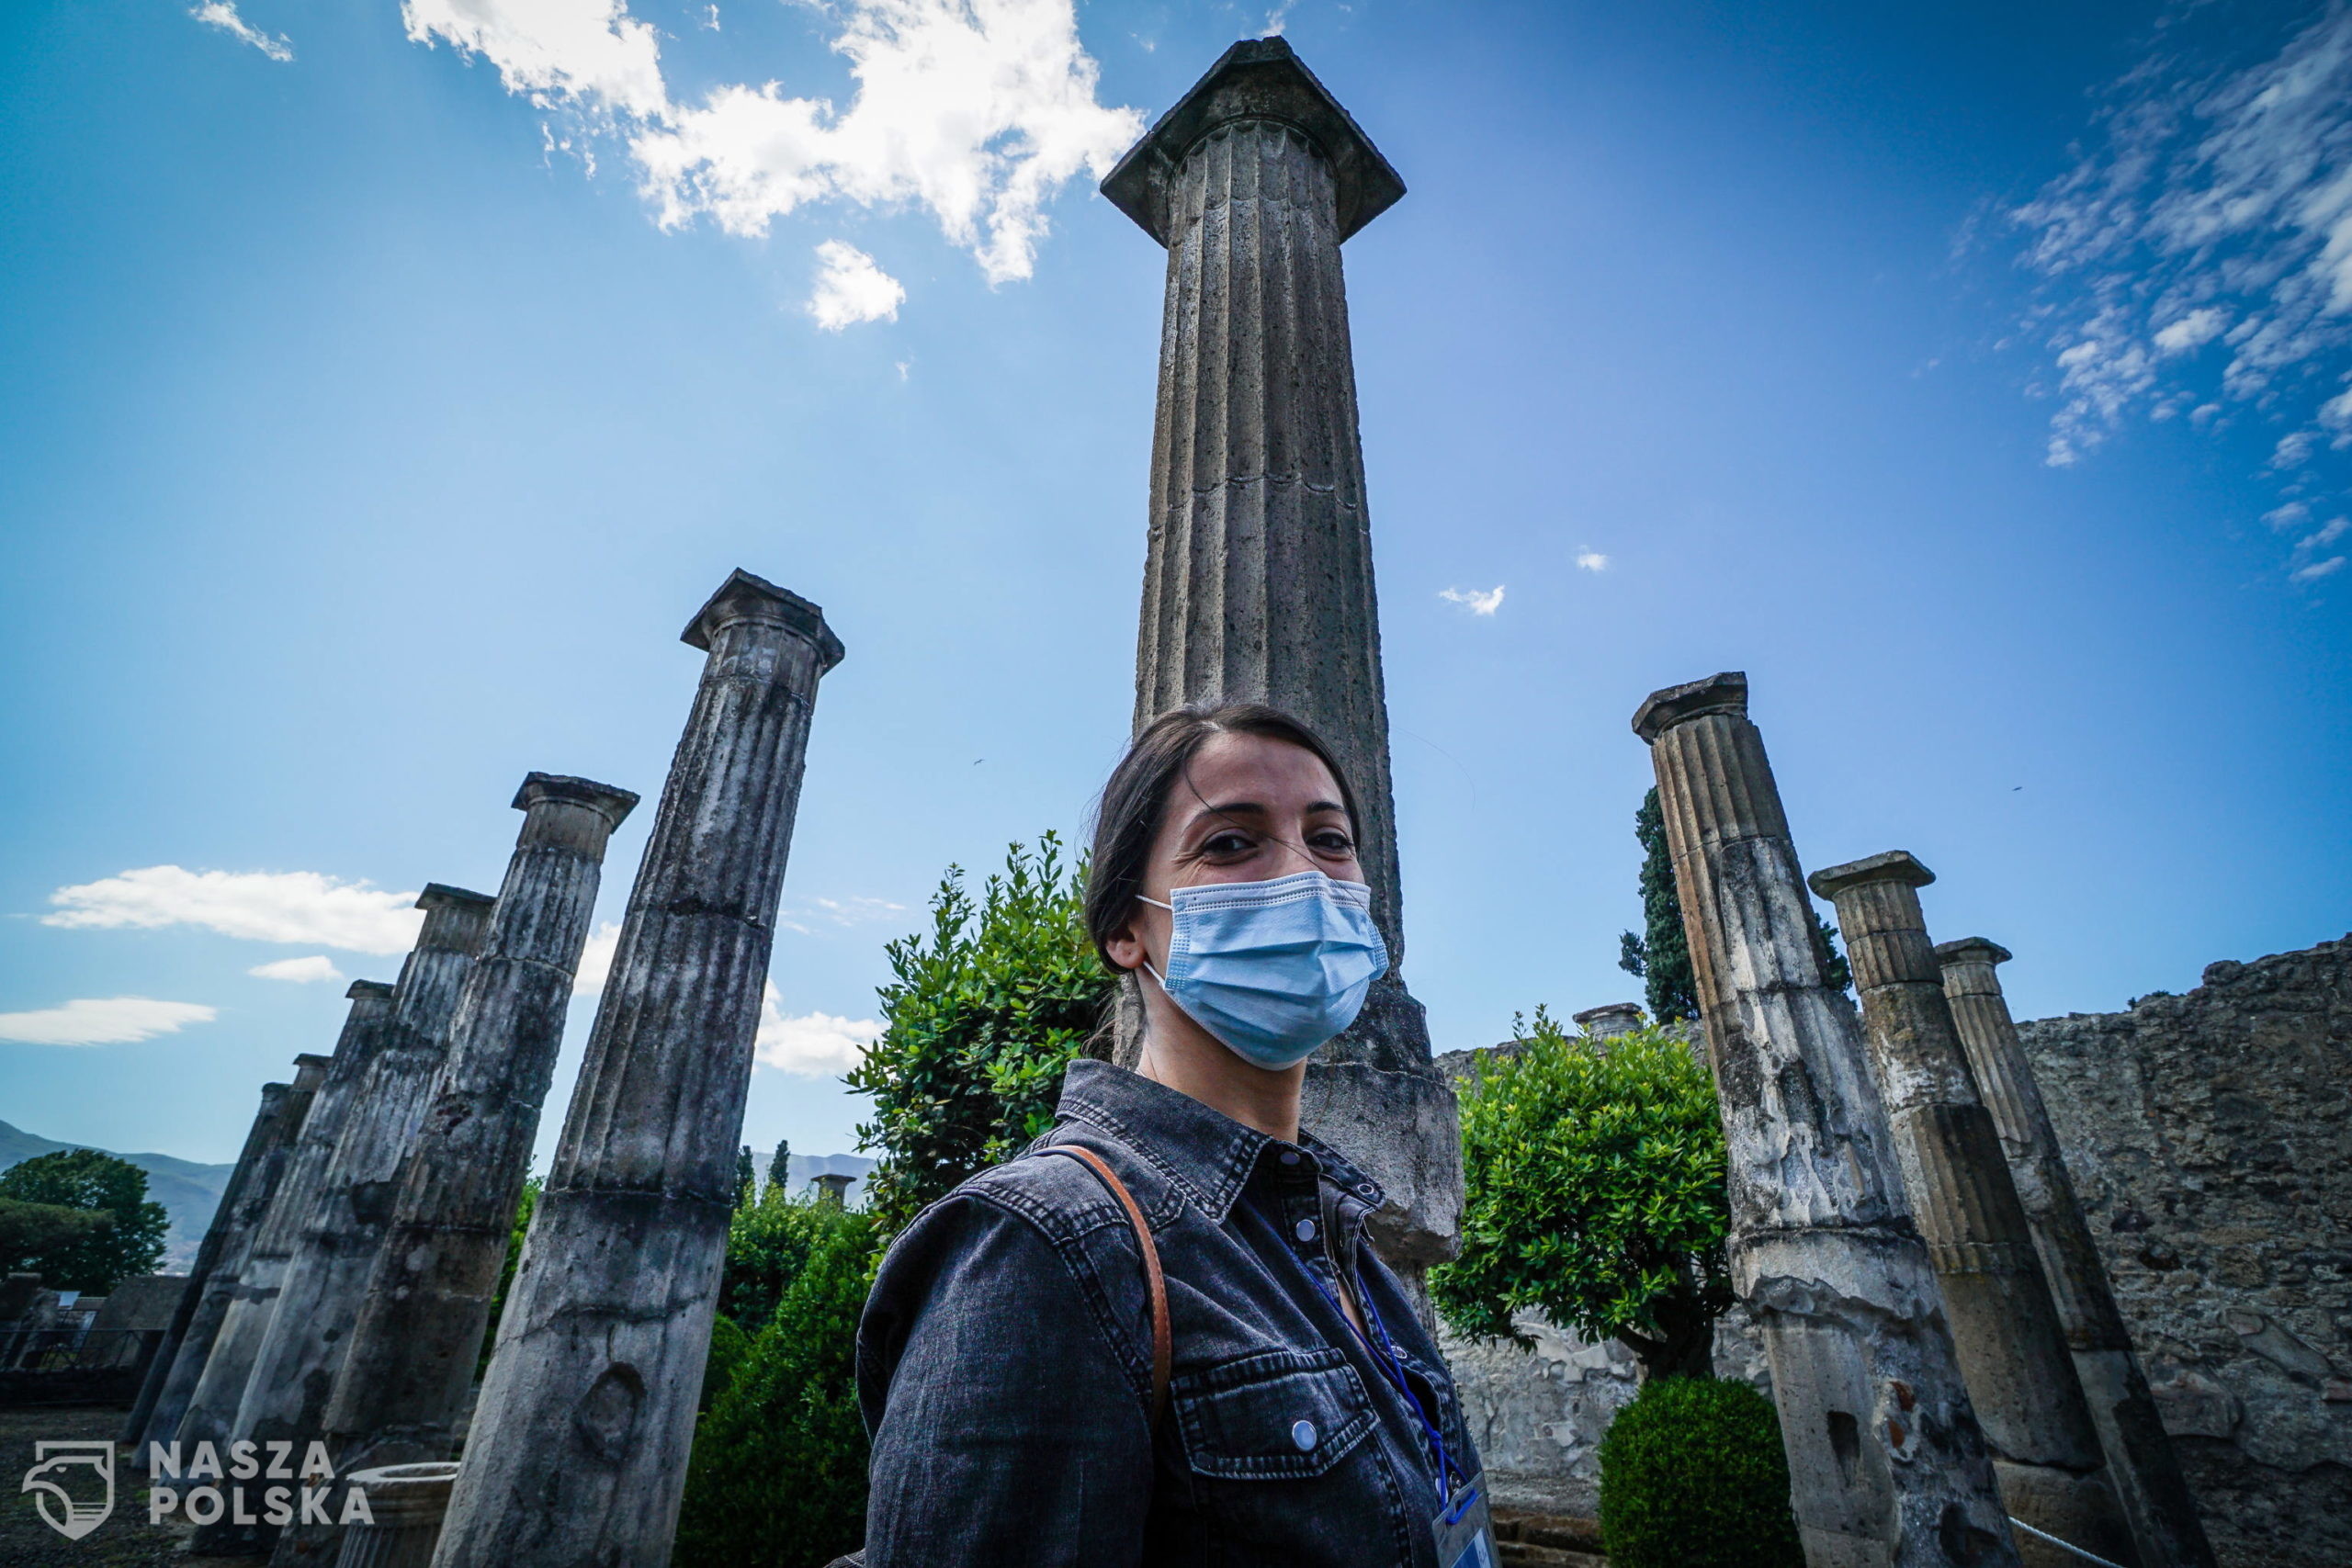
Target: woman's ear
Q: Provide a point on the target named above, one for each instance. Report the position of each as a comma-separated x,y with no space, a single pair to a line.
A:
1126,948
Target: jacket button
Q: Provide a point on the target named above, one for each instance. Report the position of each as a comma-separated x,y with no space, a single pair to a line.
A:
1290,1156
1307,1230
1303,1433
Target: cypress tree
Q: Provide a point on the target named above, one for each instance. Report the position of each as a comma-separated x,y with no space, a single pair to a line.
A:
780,1166
743,1175
1660,955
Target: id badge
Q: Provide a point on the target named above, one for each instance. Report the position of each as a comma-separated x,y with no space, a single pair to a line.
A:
1465,1535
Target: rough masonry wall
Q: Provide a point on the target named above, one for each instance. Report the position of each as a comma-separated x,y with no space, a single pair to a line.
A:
2210,1137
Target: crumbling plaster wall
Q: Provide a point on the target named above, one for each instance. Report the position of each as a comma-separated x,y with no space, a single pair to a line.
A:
2210,1136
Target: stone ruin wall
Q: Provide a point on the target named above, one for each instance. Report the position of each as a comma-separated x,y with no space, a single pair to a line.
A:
2210,1137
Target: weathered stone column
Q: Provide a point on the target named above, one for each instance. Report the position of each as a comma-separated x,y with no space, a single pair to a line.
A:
2045,1448
409,1502
578,1451
1258,579
286,1396
221,1387
410,1355
2140,1461
1886,1463
266,1134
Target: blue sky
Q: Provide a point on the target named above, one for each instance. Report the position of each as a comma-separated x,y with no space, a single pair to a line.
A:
384,387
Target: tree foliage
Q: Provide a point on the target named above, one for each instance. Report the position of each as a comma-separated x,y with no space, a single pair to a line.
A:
777,1476
1660,957
1692,1475
525,1207
745,1174
983,1013
1593,1192
768,1244
780,1166
97,1259
31,1232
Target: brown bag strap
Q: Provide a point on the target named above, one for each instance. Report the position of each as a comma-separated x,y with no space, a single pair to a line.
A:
1163,1352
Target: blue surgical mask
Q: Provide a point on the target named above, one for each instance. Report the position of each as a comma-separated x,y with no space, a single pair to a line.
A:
1272,969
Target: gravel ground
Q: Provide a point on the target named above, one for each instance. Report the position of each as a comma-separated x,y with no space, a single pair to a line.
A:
125,1541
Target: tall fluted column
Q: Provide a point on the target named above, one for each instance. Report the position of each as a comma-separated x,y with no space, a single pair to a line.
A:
411,1354
2140,1461
578,1450
1887,1466
1258,579
286,1396
266,1135
2045,1447
221,1387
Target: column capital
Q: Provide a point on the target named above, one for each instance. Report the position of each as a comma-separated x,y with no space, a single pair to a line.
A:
1662,710
1256,79
609,800
1893,866
454,918
367,990
1972,950
743,597
310,1071
1610,1020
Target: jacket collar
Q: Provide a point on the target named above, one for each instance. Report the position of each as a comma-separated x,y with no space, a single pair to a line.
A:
1204,1154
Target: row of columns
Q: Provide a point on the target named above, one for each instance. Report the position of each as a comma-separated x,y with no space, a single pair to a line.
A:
1946,1354
342,1292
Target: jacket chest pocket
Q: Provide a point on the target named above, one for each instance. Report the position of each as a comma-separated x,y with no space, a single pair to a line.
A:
1285,1468
1280,1414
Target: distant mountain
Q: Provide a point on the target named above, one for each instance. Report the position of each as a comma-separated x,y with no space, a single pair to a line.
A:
189,1191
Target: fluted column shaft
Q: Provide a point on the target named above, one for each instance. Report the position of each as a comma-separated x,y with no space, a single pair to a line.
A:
578,1451
1887,1464
285,1395
2141,1464
266,1134
1258,581
403,1379
1258,575
2045,1448
220,1388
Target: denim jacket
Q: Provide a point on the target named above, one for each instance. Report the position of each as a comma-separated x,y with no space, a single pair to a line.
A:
1004,1359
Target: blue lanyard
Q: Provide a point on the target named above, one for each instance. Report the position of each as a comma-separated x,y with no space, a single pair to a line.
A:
1384,1355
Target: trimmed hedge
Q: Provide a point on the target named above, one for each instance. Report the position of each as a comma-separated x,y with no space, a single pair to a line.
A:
1692,1475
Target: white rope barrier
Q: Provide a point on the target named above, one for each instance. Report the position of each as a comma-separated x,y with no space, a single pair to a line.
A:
2062,1545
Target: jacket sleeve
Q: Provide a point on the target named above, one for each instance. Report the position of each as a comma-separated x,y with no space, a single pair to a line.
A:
1006,1427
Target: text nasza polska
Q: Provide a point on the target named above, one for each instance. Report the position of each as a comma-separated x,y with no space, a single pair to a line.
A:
249,1462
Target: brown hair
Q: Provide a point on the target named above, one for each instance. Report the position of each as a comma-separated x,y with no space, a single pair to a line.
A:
1128,812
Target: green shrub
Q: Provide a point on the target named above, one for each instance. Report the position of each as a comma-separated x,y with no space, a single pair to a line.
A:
982,1016
92,1259
1592,1192
728,1345
767,1243
1692,1475
778,1477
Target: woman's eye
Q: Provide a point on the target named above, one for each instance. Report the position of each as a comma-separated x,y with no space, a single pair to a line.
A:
1227,844
1332,843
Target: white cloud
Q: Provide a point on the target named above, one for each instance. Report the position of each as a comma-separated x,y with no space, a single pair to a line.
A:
1590,560
112,1022
1478,602
222,14
851,289
2193,331
2291,515
596,959
592,53
978,111
2325,535
290,906
2211,205
813,1044
314,970
2318,570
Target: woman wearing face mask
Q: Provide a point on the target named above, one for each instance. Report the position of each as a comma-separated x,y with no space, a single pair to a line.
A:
1159,1337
